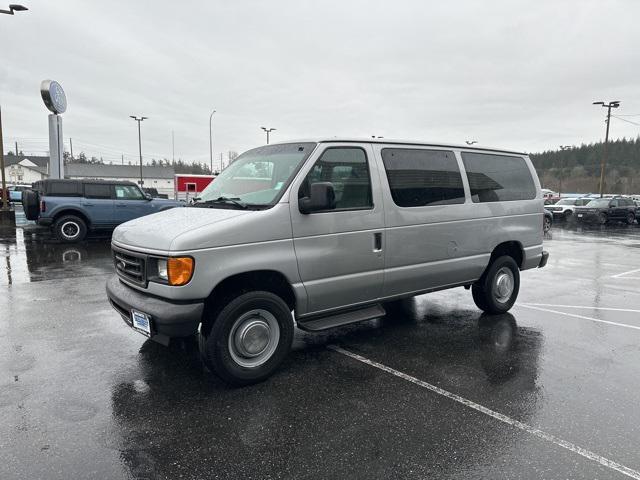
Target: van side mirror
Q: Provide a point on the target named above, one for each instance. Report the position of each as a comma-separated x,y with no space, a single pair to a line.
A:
321,197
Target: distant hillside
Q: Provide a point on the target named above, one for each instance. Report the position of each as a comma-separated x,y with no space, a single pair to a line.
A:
580,167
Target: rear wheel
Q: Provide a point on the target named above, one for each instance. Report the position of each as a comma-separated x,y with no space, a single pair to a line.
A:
498,288
568,215
602,218
546,224
630,218
70,229
249,338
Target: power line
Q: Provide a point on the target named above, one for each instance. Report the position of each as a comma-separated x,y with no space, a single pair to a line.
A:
625,120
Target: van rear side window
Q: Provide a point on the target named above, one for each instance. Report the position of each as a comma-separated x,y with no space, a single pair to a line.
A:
498,178
420,177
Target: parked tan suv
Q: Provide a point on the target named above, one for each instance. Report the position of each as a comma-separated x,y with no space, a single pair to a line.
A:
321,233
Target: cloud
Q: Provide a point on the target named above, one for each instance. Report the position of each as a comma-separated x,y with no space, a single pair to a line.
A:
514,74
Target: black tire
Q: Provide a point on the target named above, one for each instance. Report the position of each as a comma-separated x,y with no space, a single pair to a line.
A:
546,224
568,216
602,218
630,218
223,355
70,229
495,293
31,204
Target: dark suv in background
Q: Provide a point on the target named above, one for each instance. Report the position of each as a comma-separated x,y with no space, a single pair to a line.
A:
73,207
602,210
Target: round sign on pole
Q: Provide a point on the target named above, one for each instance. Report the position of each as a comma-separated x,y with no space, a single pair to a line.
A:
53,96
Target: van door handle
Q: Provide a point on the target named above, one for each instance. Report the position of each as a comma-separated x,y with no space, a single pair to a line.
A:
87,204
377,242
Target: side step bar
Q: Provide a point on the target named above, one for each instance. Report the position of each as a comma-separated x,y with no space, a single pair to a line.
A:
343,318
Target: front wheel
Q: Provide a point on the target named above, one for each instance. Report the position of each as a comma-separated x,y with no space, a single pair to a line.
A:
498,288
602,218
249,338
546,224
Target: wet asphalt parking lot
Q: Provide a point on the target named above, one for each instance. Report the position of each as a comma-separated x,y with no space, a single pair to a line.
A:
433,390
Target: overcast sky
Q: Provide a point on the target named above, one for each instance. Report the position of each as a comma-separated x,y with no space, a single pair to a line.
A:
512,74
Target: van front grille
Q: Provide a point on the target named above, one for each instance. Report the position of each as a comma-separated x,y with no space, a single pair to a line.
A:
130,266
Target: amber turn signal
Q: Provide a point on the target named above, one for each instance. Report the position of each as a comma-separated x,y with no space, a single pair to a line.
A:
180,270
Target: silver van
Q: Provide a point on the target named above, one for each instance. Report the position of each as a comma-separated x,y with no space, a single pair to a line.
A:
322,233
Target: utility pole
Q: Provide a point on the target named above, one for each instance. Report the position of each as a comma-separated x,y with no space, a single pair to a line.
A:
563,148
16,148
173,147
267,130
5,204
603,163
211,141
71,146
139,120
123,158
221,163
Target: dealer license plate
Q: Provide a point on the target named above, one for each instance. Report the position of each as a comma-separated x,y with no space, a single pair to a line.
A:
579,215
141,322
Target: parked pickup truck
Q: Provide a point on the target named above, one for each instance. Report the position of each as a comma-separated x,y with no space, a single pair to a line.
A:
73,207
331,230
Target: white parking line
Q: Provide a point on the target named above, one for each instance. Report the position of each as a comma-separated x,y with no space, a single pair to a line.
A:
498,416
584,307
625,273
582,317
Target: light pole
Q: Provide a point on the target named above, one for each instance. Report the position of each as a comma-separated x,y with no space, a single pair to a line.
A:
603,163
563,148
5,214
211,141
14,8
268,130
139,120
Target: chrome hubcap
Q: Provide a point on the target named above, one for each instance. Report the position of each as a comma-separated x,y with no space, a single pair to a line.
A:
70,230
254,338
503,286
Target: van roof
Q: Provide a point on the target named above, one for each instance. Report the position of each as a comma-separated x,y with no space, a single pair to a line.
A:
393,141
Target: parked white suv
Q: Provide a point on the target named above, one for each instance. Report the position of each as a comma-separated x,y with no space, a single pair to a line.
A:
329,229
566,207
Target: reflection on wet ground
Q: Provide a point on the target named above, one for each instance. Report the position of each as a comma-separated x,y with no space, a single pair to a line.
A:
31,255
82,396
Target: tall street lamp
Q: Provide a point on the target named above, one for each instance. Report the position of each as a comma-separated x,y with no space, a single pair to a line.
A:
603,163
268,130
14,8
139,120
563,148
5,214
211,142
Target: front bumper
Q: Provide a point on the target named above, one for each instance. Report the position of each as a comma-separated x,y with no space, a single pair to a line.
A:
168,319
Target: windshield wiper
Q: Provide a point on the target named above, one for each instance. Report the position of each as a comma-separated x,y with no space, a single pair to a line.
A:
233,200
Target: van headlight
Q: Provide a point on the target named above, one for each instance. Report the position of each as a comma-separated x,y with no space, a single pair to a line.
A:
175,271
162,269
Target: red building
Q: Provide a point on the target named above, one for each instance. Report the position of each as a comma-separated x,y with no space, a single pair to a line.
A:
188,186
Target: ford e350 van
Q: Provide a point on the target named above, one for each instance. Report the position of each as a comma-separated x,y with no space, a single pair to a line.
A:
331,230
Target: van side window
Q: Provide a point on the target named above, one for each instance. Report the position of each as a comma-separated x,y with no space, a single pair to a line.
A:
347,169
97,190
498,178
420,177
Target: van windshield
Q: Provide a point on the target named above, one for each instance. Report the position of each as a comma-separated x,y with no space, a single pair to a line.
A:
258,177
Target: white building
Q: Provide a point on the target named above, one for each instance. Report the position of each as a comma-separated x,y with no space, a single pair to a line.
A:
160,178
23,170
